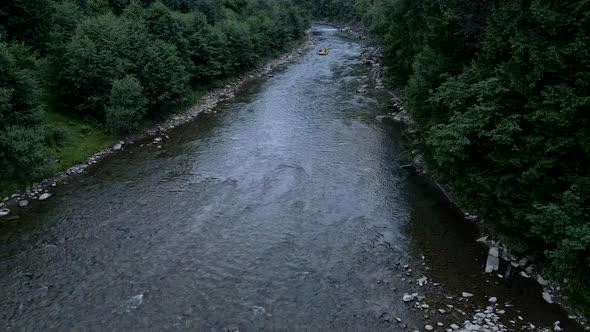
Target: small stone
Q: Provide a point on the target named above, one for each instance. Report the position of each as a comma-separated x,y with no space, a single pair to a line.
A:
422,281
157,139
399,320
520,318
493,299
523,274
117,147
45,197
454,326
4,212
467,295
523,262
440,324
547,297
23,203
428,327
424,306
407,298
442,311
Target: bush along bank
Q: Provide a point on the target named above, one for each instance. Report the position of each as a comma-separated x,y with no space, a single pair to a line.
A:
498,94
75,76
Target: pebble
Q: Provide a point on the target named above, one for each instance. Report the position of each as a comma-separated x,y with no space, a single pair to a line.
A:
467,295
23,203
4,212
407,298
44,197
428,327
117,147
493,299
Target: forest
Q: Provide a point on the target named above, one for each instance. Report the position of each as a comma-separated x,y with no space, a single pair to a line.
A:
499,91
77,74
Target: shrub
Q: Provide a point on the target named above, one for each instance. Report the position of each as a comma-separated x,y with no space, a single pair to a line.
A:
127,105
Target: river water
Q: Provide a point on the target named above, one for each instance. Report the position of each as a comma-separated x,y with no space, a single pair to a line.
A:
284,211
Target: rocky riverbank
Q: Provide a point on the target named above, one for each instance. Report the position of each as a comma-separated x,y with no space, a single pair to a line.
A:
500,261
41,191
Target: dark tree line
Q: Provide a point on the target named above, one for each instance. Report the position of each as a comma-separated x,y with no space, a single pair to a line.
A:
500,93
116,62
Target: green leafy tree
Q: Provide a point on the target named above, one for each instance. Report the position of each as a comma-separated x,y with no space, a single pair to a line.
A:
127,105
22,150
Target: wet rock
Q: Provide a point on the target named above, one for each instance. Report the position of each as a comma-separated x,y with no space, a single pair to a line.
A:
492,263
547,297
494,251
408,298
422,281
4,212
44,197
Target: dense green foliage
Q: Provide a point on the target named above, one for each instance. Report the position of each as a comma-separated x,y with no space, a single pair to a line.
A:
500,93
112,63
